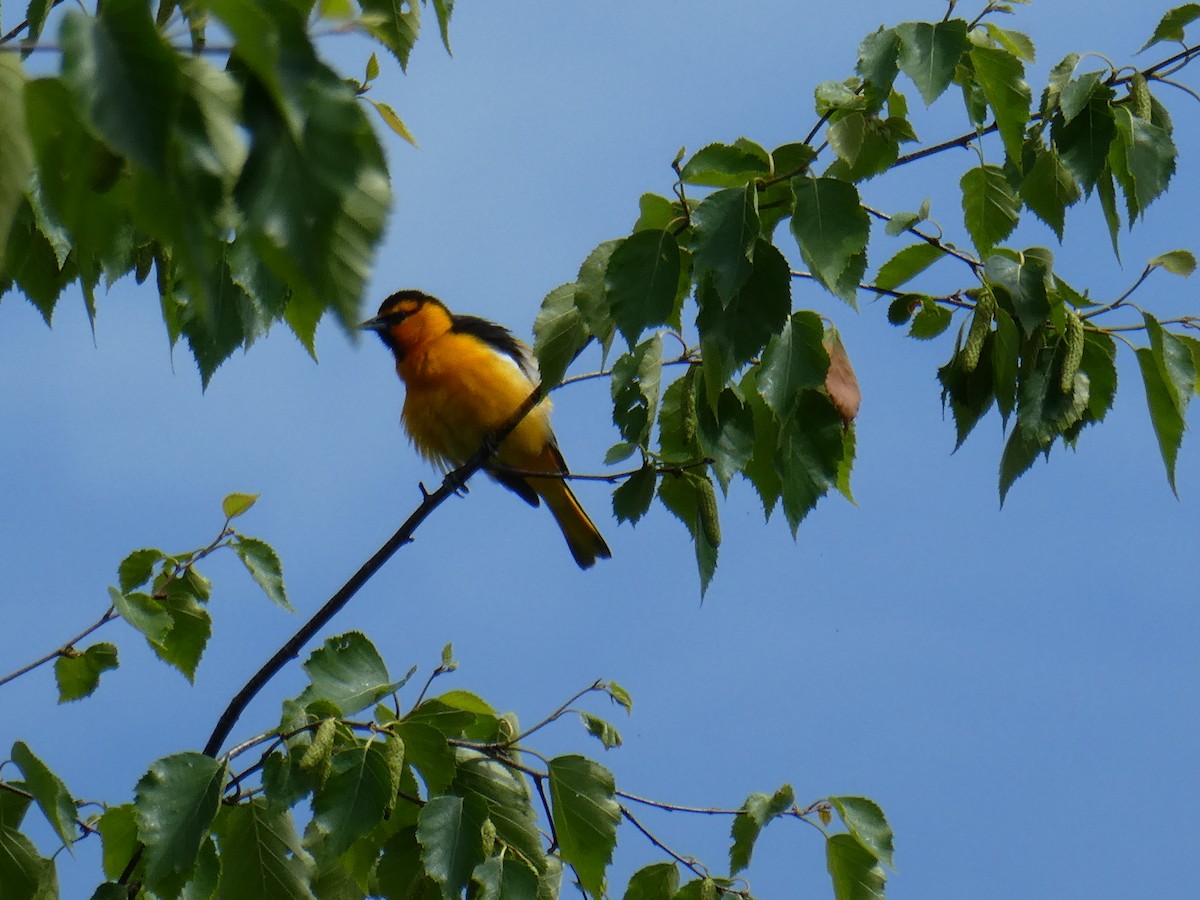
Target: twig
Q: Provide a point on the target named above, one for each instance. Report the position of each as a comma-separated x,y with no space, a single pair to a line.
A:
1120,301
563,708
65,649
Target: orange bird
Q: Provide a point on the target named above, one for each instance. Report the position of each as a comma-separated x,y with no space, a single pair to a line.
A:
464,377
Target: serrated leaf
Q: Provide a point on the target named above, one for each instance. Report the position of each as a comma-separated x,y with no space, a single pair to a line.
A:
347,672
1015,42
878,65
794,359
725,228
632,498
262,857
504,878
832,230
727,165
1020,453
657,881
907,264
427,751
49,793
865,820
143,612
856,873
1150,156
809,455
619,695
585,816
16,148
1023,278
603,731
1170,27
235,504
118,832
990,208
506,798
929,54
1083,141
1049,188
137,568
560,333
23,871
78,674
175,803
1177,262
357,794
393,121
1002,77
263,563
931,319
641,282
680,492
757,812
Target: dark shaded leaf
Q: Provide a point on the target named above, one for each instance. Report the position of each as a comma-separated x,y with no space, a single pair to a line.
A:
990,207
585,817
726,229
175,803
929,54
261,854
832,230
855,871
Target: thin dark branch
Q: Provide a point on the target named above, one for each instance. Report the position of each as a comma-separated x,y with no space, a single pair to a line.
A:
64,649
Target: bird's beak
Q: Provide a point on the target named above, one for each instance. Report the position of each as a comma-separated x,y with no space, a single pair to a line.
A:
376,324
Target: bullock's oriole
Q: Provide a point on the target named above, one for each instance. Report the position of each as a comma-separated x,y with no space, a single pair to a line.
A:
464,377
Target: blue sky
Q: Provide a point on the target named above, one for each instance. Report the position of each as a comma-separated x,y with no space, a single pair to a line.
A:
1017,688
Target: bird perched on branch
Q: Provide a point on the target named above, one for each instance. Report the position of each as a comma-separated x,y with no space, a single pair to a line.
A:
464,378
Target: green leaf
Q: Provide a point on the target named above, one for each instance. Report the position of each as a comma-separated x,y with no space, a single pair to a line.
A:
931,320
504,878
618,695
118,832
393,121
727,165
736,329
1020,453
585,816
632,498
970,393
1107,192
262,857
49,793
907,264
1083,140
559,333
78,674
603,731
1177,262
506,798
681,493
1015,42
138,567
427,751
1022,276
144,613
929,54
191,626
125,77
16,149
1164,415
1002,77
641,282
24,873
878,66
794,359
832,230
395,25
809,454
1150,156
347,672
1049,188
358,793
726,229
1044,410
175,803
235,505
865,820
990,208
590,296
657,881
726,435
1006,349
855,871
757,811
1170,27
264,565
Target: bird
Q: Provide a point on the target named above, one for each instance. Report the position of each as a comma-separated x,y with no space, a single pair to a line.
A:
464,377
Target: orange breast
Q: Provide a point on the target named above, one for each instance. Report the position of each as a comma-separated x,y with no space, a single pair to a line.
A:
458,390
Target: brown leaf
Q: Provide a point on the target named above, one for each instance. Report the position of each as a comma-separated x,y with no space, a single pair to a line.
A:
840,381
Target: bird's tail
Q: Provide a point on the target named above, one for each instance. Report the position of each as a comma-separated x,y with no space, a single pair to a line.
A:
583,538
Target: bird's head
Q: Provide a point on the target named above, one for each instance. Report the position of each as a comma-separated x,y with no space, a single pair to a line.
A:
404,317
